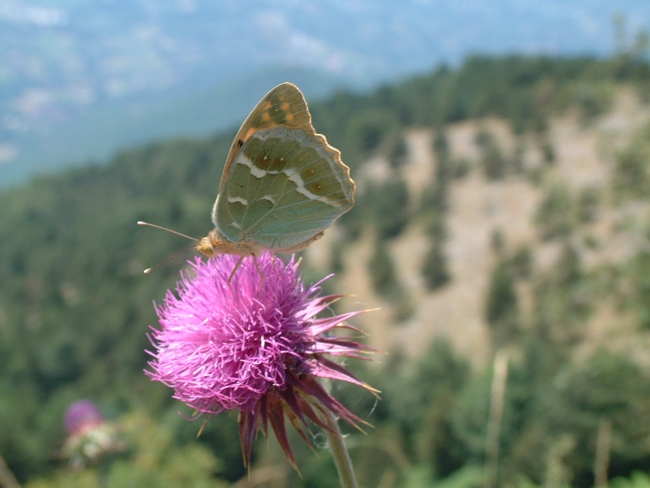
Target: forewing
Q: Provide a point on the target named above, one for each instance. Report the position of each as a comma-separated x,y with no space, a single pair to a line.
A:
284,105
285,186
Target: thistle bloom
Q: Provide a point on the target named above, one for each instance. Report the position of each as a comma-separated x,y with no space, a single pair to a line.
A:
81,416
253,344
89,436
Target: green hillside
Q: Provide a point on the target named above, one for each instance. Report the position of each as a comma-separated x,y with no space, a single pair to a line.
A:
567,298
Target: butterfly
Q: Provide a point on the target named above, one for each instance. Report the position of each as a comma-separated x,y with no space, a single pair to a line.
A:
282,184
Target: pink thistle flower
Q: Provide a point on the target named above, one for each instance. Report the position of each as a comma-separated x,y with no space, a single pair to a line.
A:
254,345
89,436
81,416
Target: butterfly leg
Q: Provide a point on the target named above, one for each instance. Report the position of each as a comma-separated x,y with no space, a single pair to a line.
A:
259,270
237,266
234,270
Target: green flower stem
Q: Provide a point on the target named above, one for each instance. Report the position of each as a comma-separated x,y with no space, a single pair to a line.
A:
340,452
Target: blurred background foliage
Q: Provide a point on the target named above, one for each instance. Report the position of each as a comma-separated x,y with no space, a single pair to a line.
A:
75,308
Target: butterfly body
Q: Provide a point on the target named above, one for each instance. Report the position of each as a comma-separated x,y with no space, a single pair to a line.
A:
212,245
282,184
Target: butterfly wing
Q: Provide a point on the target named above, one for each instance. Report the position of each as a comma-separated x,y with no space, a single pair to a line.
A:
285,185
284,105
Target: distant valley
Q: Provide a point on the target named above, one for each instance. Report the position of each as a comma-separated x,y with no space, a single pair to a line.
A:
80,80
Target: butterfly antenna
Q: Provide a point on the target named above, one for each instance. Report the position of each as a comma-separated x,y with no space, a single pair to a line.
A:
147,224
149,270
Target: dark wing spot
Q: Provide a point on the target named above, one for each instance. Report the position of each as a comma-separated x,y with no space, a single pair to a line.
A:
314,187
263,162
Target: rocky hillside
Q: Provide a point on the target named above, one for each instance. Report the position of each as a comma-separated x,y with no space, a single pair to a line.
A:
585,161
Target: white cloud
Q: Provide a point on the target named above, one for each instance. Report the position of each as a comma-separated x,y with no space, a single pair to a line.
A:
290,45
27,14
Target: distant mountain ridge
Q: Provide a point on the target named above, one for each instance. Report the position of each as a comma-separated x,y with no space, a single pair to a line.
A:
81,79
